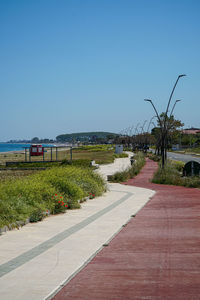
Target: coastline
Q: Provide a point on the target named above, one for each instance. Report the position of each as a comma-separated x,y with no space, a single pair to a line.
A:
12,152
22,151
6,148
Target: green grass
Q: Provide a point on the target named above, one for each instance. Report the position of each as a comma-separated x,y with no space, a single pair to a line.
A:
172,175
35,164
30,197
95,148
82,156
121,155
130,172
20,156
192,150
102,154
31,193
154,157
15,174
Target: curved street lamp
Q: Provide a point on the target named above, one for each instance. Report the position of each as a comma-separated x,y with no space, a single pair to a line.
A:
136,128
182,75
143,126
163,127
150,122
159,120
173,107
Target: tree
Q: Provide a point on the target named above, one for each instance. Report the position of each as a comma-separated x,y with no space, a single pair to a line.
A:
167,129
35,140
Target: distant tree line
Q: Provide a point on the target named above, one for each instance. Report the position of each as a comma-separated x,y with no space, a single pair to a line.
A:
93,137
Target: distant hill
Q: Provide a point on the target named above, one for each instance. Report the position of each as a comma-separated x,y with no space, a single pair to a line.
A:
85,136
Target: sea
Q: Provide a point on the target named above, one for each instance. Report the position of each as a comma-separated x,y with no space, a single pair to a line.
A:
7,147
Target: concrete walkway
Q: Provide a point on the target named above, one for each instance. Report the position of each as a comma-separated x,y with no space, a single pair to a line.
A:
155,257
37,260
118,165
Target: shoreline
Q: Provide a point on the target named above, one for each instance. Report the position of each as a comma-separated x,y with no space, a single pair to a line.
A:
29,144
12,152
22,151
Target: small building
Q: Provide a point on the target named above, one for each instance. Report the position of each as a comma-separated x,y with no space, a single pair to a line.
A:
36,150
191,130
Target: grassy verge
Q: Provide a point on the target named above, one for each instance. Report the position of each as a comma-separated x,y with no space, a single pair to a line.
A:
35,194
130,172
82,156
50,191
102,154
154,157
194,150
172,175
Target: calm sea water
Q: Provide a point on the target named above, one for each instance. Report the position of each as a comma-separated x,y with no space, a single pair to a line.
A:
6,147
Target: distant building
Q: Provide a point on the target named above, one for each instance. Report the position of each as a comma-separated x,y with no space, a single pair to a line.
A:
191,130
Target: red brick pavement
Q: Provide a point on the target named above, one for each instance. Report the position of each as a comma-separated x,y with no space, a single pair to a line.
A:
155,257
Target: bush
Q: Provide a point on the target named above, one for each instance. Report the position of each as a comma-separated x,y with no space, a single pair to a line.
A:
60,204
37,215
178,165
78,162
40,164
154,157
29,196
172,175
120,155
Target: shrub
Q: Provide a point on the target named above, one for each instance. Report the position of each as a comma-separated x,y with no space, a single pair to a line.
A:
60,204
179,165
154,157
37,215
91,196
77,162
172,175
120,155
27,197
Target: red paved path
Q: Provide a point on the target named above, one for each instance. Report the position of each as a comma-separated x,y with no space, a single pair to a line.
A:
156,256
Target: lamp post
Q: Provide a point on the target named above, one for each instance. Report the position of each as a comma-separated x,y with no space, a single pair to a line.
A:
157,115
147,132
136,128
173,107
165,117
168,127
150,122
134,135
182,75
163,127
143,126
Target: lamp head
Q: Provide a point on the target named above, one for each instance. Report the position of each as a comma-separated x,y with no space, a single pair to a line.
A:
148,100
182,75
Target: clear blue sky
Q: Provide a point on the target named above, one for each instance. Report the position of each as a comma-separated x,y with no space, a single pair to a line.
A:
86,65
